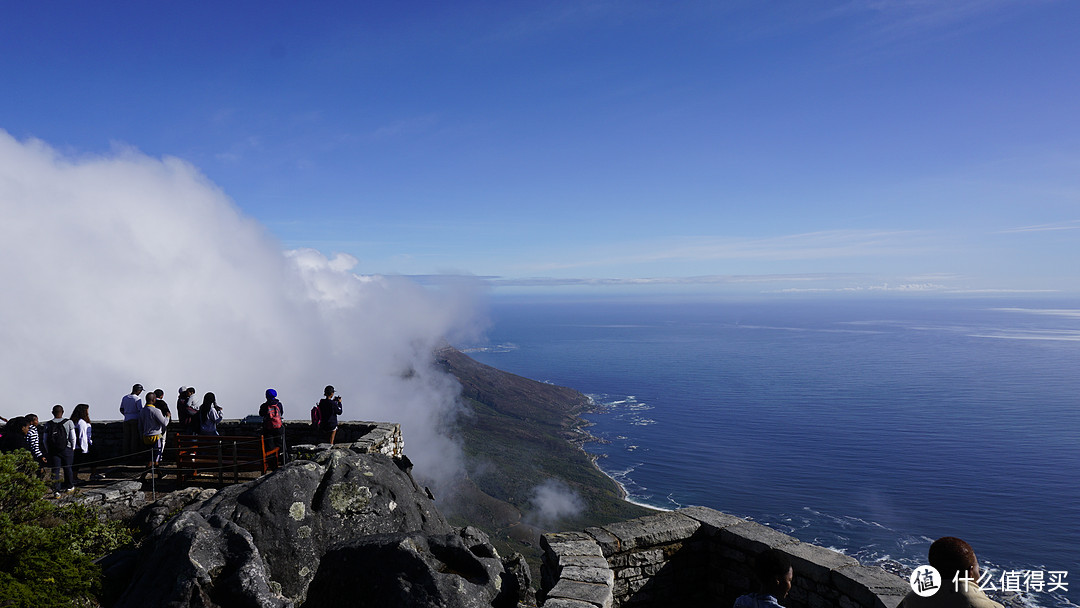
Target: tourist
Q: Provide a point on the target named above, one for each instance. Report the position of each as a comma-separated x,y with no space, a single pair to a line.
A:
329,408
273,429
187,410
774,573
163,407
161,404
152,424
33,441
130,406
60,446
955,561
14,434
209,415
83,438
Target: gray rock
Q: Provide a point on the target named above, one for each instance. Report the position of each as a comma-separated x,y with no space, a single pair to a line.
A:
266,542
158,512
408,570
200,563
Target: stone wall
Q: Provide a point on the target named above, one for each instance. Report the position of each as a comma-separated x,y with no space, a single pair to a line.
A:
371,437
698,557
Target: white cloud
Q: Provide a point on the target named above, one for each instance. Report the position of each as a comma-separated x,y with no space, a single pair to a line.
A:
1071,225
552,501
124,268
884,287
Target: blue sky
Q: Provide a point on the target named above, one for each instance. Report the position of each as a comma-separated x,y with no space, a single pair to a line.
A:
731,146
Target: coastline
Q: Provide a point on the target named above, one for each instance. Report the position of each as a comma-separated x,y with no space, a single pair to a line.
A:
579,426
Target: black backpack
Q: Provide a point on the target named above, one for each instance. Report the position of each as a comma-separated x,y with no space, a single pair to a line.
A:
56,437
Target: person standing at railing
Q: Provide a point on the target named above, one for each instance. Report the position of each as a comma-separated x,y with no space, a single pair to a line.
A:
83,438
60,447
130,406
33,442
272,413
209,415
329,408
152,424
188,410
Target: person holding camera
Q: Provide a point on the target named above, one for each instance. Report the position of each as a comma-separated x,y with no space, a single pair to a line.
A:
329,408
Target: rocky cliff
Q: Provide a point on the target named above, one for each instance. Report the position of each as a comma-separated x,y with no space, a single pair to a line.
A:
343,529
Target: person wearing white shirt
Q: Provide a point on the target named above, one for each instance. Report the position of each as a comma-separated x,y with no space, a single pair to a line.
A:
83,437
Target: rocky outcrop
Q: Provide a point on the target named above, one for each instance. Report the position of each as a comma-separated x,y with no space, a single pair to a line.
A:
413,570
344,529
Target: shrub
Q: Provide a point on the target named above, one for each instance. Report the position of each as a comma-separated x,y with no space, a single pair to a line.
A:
47,550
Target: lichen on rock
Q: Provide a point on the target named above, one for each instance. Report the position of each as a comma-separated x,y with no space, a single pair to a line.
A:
349,498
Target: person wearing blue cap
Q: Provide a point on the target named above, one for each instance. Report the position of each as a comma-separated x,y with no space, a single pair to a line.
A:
273,429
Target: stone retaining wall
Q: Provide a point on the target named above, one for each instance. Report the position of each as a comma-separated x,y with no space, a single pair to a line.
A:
698,557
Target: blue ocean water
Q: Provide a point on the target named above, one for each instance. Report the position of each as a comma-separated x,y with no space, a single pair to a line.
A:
870,426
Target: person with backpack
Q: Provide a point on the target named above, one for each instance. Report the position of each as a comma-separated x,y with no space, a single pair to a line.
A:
328,409
59,444
272,413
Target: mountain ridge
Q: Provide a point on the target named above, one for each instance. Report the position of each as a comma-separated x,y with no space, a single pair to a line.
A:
519,434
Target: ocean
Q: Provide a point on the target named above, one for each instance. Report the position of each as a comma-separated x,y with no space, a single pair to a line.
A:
871,426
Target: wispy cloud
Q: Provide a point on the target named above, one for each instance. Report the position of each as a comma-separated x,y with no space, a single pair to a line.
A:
240,149
884,287
1069,225
806,246
409,126
897,19
646,281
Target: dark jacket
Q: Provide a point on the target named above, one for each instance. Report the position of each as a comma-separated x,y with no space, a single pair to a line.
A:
328,413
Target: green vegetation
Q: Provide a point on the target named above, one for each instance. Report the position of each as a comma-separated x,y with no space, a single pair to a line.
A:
47,550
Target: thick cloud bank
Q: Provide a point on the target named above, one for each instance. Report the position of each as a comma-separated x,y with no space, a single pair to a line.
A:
125,269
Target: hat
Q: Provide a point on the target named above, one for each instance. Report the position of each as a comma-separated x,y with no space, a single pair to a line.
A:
183,389
137,387
271,393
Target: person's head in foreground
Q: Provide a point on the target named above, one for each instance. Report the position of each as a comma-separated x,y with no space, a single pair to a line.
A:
774,573
950,555
958,567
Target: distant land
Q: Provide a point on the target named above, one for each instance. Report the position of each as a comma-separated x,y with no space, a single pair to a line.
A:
518,434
